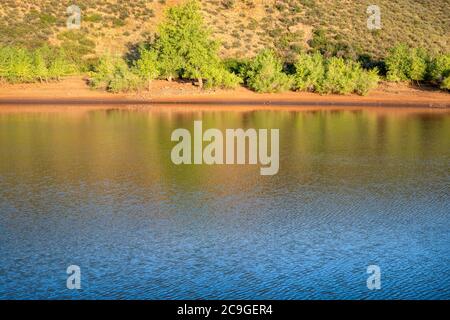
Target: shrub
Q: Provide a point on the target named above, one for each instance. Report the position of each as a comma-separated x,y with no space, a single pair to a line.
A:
18,65
366,81
340,77
398,63
60,66
310,72
334,75
404,63
114,75
237,66
419,62
439,70
221,77
265,73
445,84
147,65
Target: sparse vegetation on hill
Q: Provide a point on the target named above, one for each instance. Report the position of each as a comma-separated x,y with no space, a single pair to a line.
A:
243,27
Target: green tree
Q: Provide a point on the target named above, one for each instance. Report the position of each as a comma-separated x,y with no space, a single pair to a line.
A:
185,44
169,61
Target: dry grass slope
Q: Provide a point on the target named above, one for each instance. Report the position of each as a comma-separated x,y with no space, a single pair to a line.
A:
243,26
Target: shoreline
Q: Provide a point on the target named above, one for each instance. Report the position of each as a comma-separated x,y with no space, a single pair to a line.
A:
74,92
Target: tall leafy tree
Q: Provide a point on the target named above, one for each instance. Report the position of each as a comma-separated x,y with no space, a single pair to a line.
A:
185,44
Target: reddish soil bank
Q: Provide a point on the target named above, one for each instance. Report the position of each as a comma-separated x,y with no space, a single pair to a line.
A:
74,92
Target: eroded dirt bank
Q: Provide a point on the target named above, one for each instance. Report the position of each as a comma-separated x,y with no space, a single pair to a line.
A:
74,92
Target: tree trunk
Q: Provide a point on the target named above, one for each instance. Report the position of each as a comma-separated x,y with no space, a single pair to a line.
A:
169,78
200,83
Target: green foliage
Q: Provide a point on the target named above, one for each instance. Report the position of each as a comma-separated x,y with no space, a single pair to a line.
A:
184,38
419,63
19,65
221,77
340,76
265,73
366,81
147,64
310,72
439,70
182,48
404,63
185,47
398,63
237,66
40,66
445,84
333,75
114,75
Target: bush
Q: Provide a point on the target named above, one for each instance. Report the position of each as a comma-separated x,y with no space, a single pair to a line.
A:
439,70
398,63
366,81
334,75
404,63
310,72
265,73
237,66
147,65
19,65
446,83
114,75
221,77
340,77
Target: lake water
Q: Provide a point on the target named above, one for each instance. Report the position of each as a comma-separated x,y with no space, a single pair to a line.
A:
97,189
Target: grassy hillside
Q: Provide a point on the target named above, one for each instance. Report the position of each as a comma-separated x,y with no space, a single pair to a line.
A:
243,26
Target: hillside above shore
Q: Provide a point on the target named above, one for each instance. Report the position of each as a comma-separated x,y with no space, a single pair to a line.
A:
243,27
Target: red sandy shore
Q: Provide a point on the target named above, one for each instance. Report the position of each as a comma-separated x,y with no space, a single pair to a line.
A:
75,93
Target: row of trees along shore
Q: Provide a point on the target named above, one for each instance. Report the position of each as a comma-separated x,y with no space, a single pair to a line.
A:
183,48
